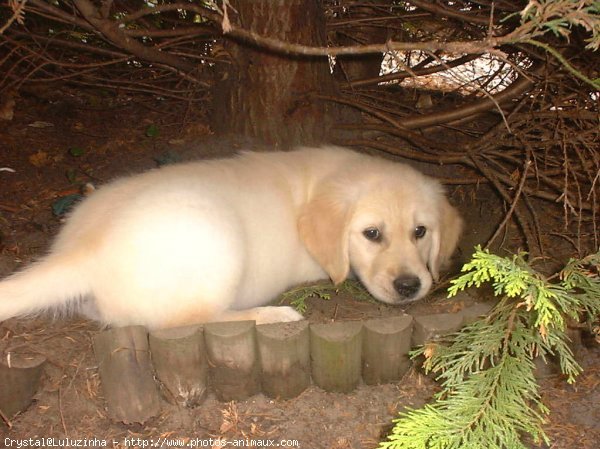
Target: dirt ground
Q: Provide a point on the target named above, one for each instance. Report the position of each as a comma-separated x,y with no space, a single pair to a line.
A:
57,142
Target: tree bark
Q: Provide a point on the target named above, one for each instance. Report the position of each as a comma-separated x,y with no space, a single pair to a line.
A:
357,67
266,96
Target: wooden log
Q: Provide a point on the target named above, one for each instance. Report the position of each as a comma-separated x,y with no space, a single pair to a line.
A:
430,327
232,359
126,374
179,360
19,381
335,350
284,352
386,342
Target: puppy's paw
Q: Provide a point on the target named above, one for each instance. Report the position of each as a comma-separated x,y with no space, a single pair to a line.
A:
274,314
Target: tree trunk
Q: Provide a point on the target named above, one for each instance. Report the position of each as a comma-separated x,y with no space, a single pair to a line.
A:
358,67
266,96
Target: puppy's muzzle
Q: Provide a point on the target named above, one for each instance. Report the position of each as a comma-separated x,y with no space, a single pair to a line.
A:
407,286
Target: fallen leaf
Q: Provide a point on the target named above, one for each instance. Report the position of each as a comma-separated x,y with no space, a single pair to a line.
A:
40,124
39,159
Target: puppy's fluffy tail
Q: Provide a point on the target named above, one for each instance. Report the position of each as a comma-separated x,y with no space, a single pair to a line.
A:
51,284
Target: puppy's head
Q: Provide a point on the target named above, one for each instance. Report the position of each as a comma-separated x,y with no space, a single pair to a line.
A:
393,231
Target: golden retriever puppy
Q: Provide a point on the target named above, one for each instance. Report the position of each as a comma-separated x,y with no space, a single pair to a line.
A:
216,240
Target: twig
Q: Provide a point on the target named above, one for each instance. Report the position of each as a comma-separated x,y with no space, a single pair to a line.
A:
522,222
594,83
18,7
5,419
60,411
513,205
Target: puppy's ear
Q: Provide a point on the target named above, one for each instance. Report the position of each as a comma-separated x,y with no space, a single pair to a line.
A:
323,227
445,238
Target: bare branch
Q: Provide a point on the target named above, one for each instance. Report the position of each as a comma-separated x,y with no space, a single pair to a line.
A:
516,89
458,47
18,7
447,12
416,72
111,31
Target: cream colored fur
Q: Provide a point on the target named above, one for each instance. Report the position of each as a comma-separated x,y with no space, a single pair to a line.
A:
216,240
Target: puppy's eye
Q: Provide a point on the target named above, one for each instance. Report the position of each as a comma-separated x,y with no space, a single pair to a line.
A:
372,234
420,232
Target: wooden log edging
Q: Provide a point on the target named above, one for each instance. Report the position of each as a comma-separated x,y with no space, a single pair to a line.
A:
386,343
335,352
19,381
126,373
180,363
233,359
239,359
284,351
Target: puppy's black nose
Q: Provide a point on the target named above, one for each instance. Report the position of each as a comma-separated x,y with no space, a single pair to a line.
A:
407,286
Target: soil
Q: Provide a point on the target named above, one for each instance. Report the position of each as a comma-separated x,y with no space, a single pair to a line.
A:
59,141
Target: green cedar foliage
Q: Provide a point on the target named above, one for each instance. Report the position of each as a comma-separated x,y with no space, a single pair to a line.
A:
490,397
